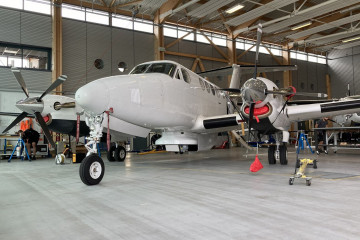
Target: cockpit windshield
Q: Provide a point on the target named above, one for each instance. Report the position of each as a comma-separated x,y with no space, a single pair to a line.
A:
166,68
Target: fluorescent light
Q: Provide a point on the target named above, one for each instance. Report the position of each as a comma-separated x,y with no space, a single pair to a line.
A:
234,8
351,39
11,51
301,25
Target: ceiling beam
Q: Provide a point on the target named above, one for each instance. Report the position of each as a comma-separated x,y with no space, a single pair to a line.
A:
112,3
120,5
103,2
166,7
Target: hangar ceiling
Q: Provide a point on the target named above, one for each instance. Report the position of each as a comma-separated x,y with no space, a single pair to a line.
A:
328,22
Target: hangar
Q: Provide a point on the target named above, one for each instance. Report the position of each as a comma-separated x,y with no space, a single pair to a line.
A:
209,87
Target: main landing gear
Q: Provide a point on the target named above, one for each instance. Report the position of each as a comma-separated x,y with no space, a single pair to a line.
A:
277,153
116,153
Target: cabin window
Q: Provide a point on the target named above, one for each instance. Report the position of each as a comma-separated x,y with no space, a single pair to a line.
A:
186,75
177,75
218,93
207,87
202,84
212,89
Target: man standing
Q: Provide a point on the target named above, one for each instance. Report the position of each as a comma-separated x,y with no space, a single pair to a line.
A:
321,134
31,138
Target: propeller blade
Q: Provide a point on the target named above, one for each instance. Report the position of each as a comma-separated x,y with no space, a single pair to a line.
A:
258,41
251,115
285,92
20,80
44,127
58,81
16,121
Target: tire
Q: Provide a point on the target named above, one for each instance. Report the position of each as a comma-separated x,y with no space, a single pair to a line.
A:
111,154
120,154
283,155
92,170
315,164
271,155
291,181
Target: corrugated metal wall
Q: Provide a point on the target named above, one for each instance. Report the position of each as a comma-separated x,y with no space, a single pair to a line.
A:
74,54
344,69
83,43
29,29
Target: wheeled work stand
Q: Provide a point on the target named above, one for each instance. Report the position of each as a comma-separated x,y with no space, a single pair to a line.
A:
20,143
301,164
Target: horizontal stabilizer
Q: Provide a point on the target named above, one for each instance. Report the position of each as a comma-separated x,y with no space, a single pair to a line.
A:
246,69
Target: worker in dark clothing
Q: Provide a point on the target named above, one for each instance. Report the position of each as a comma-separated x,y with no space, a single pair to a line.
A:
321,134
31,138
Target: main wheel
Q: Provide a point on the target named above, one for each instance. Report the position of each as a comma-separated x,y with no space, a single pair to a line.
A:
271,155
283,155
291,181
111,154
92,170
315,164
120,154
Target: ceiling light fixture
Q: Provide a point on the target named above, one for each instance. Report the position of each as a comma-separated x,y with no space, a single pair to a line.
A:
234,8
11,51
301,25
351,39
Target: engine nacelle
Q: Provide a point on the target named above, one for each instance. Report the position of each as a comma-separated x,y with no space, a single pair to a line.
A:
254,90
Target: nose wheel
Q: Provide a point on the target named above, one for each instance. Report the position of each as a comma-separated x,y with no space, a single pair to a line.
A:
92,170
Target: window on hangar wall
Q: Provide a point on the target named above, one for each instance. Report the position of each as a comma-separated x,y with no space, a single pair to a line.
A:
24,56
38,6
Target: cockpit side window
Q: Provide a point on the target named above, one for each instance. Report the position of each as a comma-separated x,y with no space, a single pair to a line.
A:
186,75
140,69
166,68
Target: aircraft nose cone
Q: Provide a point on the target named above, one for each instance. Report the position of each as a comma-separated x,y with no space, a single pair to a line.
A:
93,97
30,105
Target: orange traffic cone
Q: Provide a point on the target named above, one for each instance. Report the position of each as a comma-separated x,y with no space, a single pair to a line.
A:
256,165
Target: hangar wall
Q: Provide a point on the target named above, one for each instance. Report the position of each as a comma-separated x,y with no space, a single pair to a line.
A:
83,43
30,29
344,69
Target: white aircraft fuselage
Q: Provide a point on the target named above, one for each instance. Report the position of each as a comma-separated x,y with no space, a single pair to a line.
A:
175,101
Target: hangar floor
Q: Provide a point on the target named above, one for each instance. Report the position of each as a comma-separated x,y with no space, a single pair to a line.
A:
207,195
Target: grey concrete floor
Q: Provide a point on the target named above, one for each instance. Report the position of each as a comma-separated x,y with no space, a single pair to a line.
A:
206,195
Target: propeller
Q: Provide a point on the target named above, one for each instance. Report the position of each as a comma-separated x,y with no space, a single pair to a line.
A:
291,92
254,95
34,105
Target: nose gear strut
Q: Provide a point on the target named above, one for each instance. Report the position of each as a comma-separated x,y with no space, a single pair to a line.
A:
95,125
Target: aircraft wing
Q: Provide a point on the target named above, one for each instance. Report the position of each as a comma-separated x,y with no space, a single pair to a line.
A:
319,110
338,128
246,69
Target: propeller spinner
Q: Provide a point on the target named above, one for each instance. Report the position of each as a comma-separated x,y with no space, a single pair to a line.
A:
33,105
